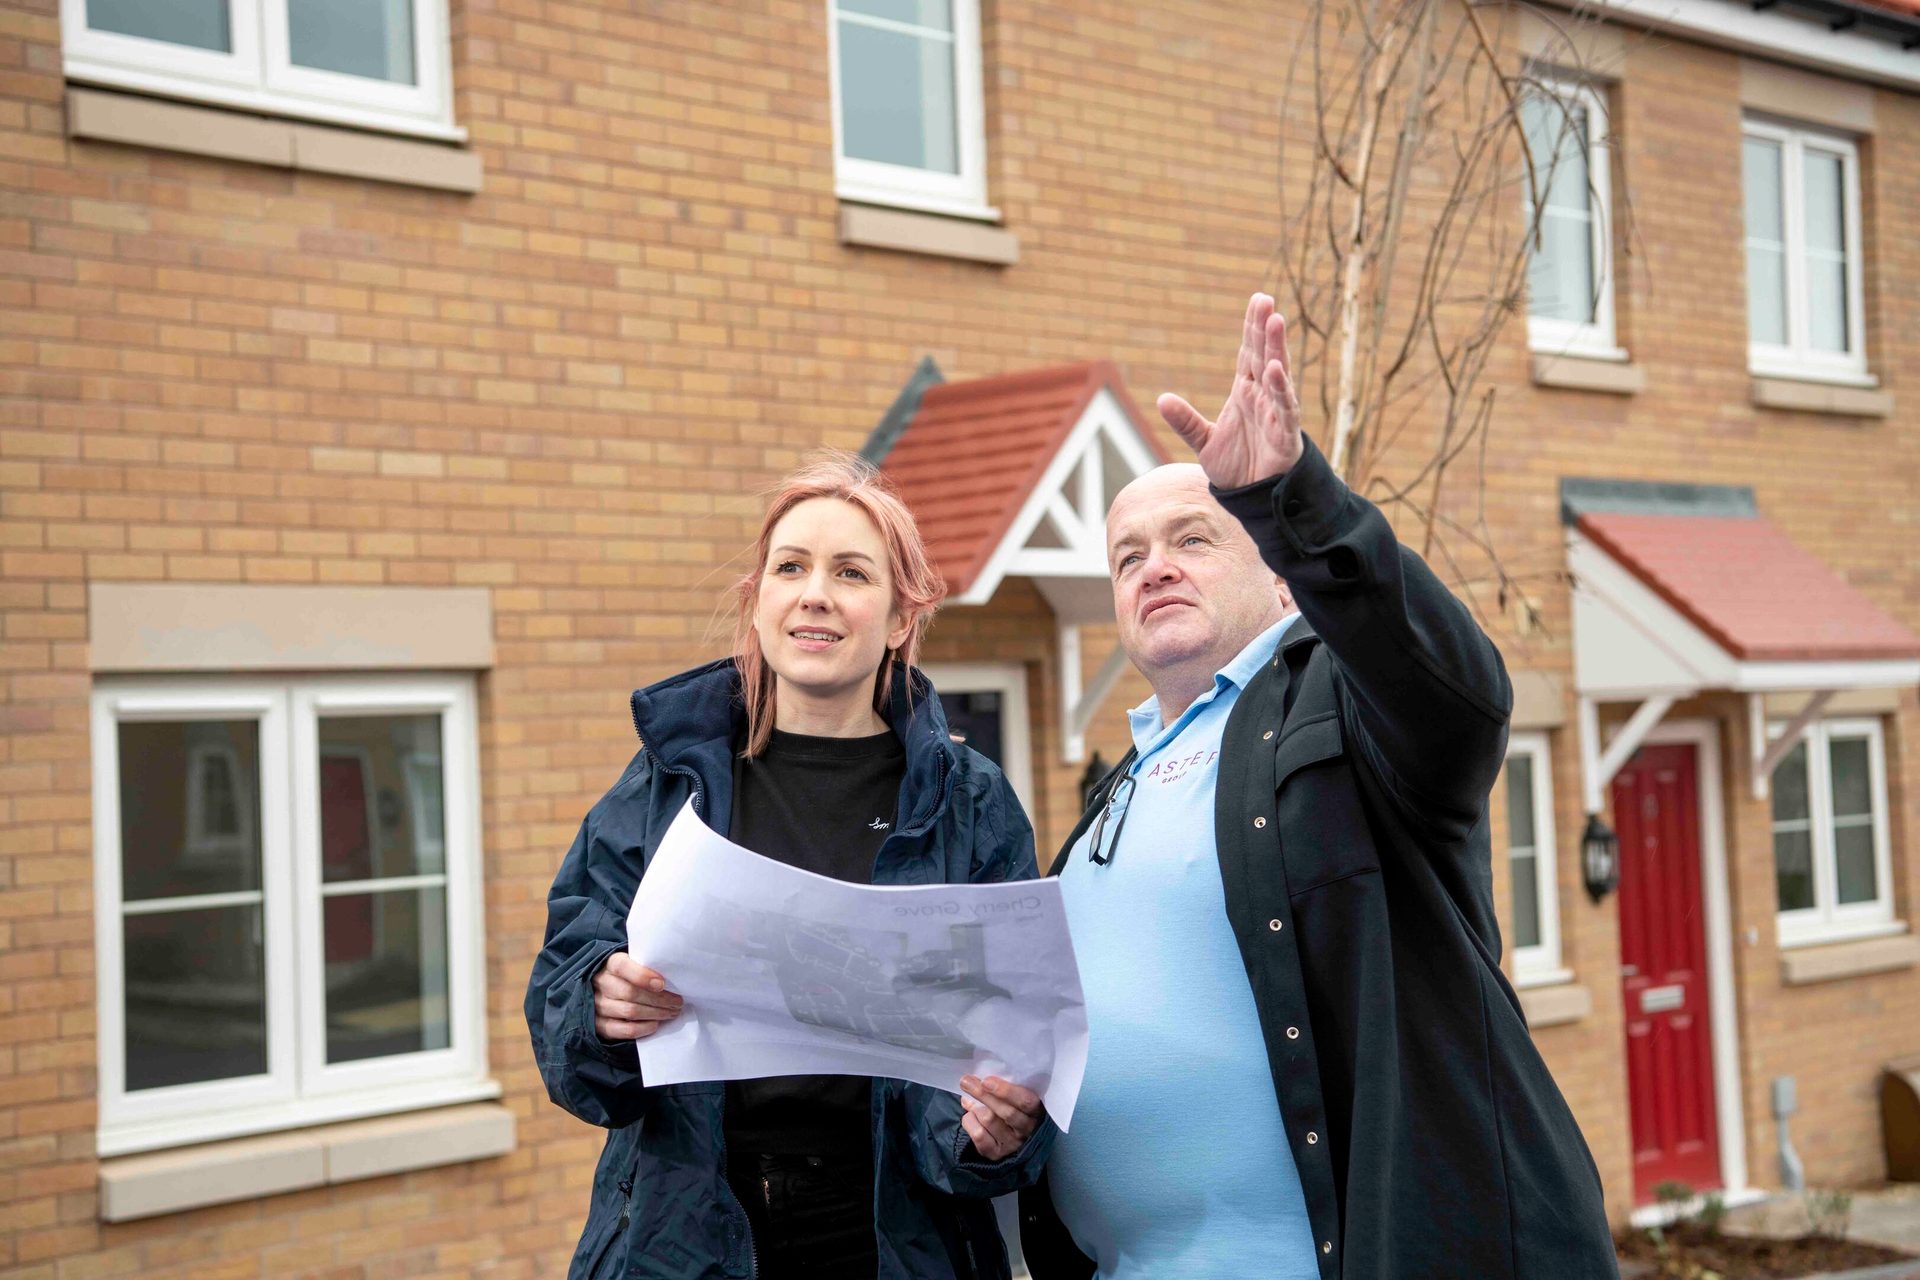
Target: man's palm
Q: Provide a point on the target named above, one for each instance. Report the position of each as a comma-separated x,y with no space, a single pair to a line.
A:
1257,434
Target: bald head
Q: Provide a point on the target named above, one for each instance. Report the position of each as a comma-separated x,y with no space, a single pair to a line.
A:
1189,588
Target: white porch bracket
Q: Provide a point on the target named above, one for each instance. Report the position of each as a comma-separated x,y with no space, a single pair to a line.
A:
1080,702
1597,766
1767,755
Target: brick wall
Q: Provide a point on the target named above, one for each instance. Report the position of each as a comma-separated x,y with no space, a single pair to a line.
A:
566,387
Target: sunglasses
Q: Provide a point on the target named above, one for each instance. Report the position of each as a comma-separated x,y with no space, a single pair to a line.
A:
1119,792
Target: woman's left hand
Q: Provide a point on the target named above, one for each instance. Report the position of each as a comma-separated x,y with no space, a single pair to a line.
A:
999,1115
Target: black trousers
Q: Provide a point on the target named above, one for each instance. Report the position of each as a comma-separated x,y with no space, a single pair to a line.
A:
812,1216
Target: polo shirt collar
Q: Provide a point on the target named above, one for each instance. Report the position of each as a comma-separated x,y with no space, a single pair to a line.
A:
1144,720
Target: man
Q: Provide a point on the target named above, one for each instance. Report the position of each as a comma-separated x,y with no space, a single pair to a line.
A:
1305,1061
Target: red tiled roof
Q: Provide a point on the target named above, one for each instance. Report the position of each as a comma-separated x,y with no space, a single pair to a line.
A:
1748,586
975,450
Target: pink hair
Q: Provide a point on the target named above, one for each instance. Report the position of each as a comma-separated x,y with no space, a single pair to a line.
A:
917,585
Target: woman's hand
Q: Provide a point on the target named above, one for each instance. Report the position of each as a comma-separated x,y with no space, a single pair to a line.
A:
999,1115
630,1001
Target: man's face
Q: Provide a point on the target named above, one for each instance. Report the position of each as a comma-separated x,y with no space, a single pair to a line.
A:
1189,587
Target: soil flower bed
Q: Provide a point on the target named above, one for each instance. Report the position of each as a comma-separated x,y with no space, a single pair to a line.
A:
1690,1251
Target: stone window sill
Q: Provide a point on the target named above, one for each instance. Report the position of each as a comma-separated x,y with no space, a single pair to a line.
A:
1803,965
146,1186
1587,373
1555,1005
1822,397
903,231
101,116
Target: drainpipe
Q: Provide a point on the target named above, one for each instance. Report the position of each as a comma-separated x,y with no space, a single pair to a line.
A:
1793,1174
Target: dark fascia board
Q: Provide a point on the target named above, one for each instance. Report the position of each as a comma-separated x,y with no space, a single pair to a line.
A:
899,415
1580,497
1843,15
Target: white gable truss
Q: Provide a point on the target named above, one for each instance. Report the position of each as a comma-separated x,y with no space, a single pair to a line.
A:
1059,540
1059,537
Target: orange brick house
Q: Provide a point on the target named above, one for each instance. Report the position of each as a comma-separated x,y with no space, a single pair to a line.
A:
383,397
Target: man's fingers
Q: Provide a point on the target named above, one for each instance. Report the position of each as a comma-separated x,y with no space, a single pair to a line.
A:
1276,348
635,1010
1009,1102
992,1137
1187,422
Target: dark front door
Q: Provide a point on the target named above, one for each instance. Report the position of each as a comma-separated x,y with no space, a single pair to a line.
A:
1663,968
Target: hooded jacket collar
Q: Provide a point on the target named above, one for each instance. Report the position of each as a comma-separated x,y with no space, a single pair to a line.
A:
689,722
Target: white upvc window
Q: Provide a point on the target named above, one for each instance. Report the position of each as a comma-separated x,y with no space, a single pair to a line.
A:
380,64
1534,920
1567,203
909,120
1805,315
288,906
1832,859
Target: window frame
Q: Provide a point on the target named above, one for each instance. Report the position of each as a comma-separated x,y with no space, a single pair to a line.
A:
298,1088
1796,358
963,194
259,73
1828,920
1542,963
1598,338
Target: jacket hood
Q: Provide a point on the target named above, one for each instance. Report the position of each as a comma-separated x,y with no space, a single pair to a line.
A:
690,722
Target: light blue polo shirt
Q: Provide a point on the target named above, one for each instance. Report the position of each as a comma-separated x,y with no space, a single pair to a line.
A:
1178,1166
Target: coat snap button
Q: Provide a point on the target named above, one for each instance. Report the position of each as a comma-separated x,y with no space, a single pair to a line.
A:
1312,1139
1275,925
1259,822
1326,1246
1293,1033
1266,736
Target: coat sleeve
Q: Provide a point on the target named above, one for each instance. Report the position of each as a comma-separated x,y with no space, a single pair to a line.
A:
942,1153
1425,687
595,1079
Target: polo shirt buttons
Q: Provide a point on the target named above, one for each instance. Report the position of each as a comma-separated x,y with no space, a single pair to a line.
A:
1259,822
1313,1139
1275,925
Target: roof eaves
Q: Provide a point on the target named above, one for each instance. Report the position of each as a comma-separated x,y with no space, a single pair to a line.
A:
899,415
1580,496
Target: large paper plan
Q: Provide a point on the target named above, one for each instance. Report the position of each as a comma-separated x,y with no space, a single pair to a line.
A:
789,973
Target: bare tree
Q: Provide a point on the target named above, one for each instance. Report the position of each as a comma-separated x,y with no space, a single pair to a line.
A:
1409,220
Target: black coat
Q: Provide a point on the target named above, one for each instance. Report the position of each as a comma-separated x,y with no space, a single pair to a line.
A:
1351,821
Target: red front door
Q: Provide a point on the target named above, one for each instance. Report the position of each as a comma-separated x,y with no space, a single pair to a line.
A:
1663,968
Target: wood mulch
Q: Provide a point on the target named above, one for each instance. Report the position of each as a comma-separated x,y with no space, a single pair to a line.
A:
1694,1253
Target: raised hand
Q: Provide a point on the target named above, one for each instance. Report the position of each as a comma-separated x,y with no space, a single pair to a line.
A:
1257,434
630,1001
999,1115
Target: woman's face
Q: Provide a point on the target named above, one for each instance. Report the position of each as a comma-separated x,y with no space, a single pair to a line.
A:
825,614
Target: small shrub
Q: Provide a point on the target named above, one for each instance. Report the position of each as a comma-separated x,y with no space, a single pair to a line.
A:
1712,1212
1830,1213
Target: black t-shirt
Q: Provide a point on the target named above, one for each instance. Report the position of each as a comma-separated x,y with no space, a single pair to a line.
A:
823,805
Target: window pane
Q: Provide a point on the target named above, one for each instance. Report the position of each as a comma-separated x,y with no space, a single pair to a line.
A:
1520,801
1827,303
1789,785
1793,869
198,24
371,38
1766,251
897,100
1855,873
1526,902
386,973
196,996
1852,777
1821,176
189,808
1560,277
937,14
381,811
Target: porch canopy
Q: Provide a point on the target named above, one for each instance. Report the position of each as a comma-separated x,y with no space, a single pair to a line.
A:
1011,476
1680,589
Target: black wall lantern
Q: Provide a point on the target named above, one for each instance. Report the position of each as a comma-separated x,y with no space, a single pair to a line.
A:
1599,858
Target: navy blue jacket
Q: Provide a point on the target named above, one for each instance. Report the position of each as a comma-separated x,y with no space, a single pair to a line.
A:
661,1206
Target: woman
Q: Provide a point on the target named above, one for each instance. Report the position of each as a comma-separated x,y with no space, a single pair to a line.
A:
818,744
